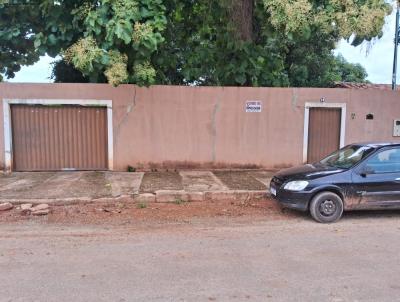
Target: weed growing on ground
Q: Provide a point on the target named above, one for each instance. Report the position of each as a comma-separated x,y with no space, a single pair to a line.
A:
179,201
141,205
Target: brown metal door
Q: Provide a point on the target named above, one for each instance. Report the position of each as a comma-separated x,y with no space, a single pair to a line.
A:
54,138
323,133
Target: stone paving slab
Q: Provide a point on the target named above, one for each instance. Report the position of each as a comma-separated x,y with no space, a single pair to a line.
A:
36,185
239,180
154,181
124,183
262,176
17,184
201,181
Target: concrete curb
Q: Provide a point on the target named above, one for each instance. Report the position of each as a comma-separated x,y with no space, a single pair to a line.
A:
50,201
65,201
167,196
162,196
238,195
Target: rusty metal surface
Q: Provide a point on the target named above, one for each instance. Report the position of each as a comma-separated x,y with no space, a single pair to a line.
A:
323,133
51,138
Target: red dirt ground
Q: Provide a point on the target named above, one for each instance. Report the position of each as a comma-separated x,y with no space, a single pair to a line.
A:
129,213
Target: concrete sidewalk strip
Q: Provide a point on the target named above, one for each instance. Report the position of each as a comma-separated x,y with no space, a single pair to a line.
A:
201,181
162,196
68,188
59,183
124,183
14,184
262,176
53,185
22,183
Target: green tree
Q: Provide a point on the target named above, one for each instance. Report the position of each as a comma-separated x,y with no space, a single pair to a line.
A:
202,42
17,37
107,38
350,72
262,43
66,73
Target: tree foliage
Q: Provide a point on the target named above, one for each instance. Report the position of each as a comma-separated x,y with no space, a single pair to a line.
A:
17,37
346,72
62,72
202,42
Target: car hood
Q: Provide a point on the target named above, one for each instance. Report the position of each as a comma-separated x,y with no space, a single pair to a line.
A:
307,172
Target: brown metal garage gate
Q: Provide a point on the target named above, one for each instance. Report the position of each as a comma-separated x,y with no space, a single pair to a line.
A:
54,138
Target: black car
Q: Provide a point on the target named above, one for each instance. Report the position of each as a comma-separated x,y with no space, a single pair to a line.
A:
359,176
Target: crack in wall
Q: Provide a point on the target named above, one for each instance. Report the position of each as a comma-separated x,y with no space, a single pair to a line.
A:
131,106
295,99
214,129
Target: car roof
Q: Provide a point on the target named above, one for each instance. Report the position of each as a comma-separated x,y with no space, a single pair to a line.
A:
377,144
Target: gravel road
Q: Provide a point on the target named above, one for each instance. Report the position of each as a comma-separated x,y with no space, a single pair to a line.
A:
356,259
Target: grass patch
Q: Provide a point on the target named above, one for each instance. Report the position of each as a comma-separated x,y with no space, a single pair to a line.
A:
179,201
141,205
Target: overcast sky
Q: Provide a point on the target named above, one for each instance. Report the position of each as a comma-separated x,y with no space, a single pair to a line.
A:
376,57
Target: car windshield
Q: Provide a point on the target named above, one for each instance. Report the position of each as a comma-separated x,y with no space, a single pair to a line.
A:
347,157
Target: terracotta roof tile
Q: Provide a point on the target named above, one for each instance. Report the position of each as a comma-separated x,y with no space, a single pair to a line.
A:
352,85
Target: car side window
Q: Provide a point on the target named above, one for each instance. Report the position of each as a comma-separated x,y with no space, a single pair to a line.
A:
387,161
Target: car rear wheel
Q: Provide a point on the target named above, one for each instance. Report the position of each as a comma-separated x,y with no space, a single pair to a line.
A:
326,207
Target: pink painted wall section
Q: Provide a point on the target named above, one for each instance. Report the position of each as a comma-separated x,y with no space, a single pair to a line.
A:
205,125
2,155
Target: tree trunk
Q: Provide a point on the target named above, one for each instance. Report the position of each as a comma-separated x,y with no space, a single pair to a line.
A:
241,13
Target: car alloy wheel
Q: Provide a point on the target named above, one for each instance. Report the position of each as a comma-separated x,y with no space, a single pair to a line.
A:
326,207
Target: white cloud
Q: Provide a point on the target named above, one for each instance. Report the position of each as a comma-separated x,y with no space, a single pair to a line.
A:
39,72
376,57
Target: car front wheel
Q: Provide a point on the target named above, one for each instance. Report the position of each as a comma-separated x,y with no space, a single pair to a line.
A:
326,207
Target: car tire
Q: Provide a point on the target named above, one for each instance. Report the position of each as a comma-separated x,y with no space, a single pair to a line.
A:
326,207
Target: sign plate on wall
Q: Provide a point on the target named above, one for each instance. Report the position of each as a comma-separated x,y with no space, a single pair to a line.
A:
253,106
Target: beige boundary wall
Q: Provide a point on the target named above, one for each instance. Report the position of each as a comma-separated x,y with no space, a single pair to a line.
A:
201,126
